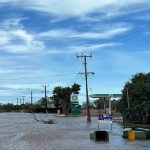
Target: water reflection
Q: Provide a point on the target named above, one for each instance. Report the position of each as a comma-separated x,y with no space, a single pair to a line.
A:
21,132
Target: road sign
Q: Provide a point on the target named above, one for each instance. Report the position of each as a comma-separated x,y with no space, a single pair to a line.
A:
104,117
75,110
74,97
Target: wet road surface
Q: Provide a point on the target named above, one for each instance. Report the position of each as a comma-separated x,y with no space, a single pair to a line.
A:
20,131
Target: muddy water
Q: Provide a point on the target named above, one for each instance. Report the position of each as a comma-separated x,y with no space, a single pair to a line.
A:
20,131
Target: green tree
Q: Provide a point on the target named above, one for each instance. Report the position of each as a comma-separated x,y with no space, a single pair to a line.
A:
138,90
84,105
75,88
61,96
101,102
139,96
43,101
8,107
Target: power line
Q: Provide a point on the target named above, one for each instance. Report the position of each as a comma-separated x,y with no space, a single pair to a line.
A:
76,78
70,65
25,78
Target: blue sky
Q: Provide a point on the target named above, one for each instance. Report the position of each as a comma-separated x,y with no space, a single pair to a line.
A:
39,41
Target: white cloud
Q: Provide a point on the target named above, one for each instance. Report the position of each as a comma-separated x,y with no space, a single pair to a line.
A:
141,17
147,33
77,8
4,93
104,45
94,47
99,34
14,38
21,86
81,7
83,48
12,23
6,71
16,90
4,37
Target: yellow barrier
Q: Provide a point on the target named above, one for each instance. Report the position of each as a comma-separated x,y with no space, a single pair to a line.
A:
131,135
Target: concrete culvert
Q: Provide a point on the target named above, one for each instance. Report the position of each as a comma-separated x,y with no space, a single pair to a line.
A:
102,136
99,136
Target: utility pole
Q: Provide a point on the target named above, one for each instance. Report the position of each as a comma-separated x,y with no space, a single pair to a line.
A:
17,101
45,95
128,98
104,105
31,102
31,98
86,81
20,101
109,104
23,99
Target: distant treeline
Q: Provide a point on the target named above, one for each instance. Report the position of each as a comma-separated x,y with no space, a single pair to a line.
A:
26,108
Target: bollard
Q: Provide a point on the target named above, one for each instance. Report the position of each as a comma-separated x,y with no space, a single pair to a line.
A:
131,135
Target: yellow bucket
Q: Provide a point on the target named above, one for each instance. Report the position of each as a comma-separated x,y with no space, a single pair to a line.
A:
131,135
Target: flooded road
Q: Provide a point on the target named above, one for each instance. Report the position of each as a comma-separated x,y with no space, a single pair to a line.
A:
20,131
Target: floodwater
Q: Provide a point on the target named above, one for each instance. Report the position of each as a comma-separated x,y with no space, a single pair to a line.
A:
20,131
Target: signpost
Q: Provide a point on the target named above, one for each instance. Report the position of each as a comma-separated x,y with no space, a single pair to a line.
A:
104,118
74,104
74,97
102,135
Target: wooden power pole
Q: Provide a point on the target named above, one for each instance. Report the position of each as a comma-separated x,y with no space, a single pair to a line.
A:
31,99
86,82
45,95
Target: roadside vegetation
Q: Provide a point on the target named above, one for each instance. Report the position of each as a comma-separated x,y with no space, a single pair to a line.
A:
59,101
134,104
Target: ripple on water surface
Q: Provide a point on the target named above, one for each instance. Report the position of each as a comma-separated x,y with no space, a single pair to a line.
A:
20,131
